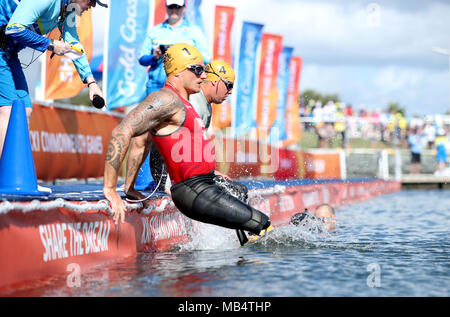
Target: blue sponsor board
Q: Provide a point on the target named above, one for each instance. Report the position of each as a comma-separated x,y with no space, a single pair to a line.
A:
193,13
246,78
278,130
124,78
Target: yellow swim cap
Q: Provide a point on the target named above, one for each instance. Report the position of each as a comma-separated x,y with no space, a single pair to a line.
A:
219,68
179,56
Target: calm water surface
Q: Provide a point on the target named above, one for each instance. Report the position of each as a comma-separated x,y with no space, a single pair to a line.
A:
392,245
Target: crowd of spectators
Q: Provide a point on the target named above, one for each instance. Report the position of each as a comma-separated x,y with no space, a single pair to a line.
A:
338,121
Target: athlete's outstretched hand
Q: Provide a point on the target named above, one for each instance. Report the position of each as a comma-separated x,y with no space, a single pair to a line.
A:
117,205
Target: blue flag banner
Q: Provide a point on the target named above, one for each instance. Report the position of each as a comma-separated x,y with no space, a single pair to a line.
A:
193,13
123,78
245,83
278,130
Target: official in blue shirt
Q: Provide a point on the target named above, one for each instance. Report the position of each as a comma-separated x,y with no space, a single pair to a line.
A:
176,29
24,23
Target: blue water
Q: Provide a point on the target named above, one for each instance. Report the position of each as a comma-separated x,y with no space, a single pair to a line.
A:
392,245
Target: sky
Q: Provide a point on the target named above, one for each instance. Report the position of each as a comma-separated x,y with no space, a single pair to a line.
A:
368,52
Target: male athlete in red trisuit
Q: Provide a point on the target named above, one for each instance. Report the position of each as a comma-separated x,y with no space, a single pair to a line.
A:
180,137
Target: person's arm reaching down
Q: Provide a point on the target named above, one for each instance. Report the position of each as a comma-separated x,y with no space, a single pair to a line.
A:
140,147
156,108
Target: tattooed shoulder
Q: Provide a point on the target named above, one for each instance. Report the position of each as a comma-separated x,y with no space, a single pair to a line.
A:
155,108
163,100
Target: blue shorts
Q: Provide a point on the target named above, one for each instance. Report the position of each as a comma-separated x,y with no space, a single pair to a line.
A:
13,84
441,157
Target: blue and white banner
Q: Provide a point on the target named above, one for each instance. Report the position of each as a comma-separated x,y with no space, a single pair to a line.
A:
278,130
244,106
123,78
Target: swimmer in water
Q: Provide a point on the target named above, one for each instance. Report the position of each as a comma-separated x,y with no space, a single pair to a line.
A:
324,213
327,215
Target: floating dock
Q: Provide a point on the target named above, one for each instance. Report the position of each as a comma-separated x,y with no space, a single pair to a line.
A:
425,181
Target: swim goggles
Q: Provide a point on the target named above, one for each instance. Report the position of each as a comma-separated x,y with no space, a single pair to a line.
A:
196,69
228,84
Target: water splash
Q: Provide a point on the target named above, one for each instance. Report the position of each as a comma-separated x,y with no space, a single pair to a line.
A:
210,237
311,233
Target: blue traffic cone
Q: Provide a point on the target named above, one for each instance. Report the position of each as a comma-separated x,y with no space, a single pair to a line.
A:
144,180
17,171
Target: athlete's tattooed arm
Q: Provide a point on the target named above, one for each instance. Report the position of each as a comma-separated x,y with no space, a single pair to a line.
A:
139,149
157,108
